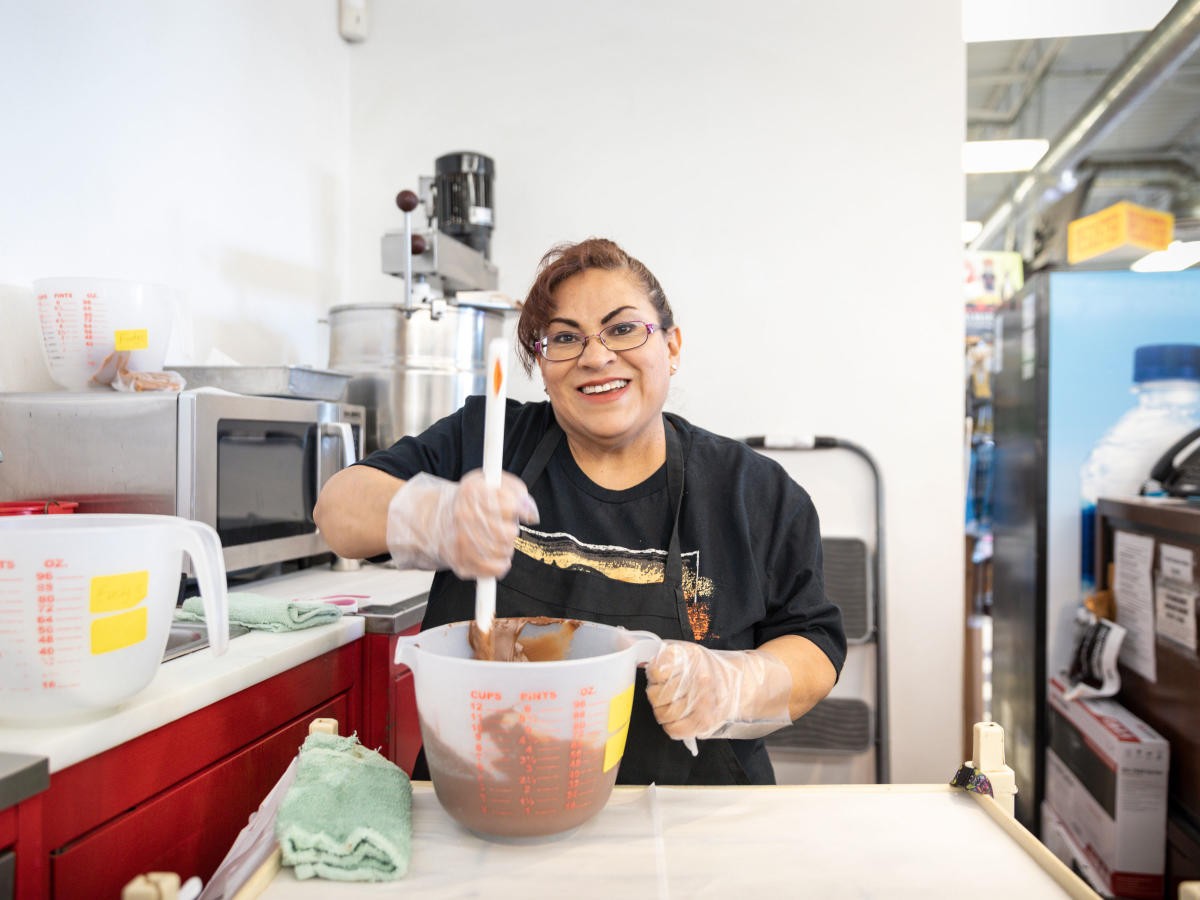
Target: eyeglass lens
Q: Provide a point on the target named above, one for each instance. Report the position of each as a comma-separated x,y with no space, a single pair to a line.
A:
618,337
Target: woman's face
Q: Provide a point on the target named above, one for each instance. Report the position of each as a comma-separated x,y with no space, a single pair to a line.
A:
602,398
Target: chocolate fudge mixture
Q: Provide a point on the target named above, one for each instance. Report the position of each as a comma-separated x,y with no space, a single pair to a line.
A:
504,642
538,786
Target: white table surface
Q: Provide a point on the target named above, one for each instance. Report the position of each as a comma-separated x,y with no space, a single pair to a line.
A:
852,841
189,683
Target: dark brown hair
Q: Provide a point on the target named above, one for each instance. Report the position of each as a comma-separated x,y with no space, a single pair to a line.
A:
560,263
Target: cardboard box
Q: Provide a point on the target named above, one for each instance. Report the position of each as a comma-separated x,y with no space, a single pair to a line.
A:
1059,841
1123,231
1106,779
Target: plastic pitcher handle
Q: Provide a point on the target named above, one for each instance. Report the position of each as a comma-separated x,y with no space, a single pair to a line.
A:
201,543
645,645
406,651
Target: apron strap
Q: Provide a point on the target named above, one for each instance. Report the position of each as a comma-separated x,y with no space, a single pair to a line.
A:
541,455
673,570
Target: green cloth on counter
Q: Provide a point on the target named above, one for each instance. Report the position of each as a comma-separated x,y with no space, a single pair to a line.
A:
348,815
265,613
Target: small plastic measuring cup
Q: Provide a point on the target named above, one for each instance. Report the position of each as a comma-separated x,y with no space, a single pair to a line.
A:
525,749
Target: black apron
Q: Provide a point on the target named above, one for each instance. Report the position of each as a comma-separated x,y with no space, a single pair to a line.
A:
533,588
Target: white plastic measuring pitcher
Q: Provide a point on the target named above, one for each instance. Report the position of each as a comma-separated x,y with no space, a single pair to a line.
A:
84,320
519,750
86,603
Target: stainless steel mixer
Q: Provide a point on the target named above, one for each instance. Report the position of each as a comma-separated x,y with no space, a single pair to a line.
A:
414,362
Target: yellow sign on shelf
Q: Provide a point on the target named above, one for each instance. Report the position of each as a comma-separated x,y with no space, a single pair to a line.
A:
1122,226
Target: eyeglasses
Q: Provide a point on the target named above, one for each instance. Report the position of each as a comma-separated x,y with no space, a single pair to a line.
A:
564,345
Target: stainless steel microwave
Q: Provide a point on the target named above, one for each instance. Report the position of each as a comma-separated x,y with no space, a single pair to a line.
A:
251,467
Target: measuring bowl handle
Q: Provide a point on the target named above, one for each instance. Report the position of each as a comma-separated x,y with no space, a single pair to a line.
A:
645,645
406,651
202,544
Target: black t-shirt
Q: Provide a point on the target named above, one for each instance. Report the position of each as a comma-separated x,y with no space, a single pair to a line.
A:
749,534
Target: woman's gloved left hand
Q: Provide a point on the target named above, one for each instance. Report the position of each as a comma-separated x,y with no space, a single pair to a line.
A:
702,693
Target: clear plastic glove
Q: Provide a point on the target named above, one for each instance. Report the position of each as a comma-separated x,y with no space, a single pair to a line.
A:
464,526
702,693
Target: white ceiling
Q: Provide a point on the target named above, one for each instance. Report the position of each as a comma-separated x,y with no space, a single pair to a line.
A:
1012,20
1034,88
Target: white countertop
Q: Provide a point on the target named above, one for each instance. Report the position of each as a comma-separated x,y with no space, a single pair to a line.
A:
188,683
375,584
851,841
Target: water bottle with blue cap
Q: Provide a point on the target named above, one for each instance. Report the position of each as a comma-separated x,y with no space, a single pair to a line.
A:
1166,380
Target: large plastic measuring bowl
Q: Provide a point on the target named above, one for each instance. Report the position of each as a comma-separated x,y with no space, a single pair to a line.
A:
86,603
524,749
85,320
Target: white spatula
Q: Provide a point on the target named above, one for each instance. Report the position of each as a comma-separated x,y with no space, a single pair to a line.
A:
493,446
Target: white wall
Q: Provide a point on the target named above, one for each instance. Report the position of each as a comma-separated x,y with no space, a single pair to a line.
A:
789,171
200,145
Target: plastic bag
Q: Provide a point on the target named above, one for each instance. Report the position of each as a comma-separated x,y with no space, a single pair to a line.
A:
115,372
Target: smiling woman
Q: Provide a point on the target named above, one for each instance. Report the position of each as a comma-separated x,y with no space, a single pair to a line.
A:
643,520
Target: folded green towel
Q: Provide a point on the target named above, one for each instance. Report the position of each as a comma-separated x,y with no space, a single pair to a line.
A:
348,815
265,613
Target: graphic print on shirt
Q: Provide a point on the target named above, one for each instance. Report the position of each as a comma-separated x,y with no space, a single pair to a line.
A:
623,564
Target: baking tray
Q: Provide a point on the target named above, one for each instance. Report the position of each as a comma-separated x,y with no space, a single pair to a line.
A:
268,381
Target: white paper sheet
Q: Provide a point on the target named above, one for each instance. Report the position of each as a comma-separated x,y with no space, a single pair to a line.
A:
1133,559
1175,607
1176,563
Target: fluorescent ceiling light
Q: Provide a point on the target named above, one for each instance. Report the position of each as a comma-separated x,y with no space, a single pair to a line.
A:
1002,156
970,231
1178,256
1014,20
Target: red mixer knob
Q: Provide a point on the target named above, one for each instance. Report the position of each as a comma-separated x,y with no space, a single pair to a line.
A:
407,201
419,244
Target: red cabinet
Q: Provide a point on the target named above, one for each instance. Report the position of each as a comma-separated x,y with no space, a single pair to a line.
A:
176,798
22,779
389,702
8,843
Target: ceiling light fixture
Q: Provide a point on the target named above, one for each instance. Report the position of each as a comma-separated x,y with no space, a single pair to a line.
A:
979,157
970,231
1178,256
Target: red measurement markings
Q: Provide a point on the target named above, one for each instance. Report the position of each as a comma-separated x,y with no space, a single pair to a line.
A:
88,321
46,607
60,322
476,708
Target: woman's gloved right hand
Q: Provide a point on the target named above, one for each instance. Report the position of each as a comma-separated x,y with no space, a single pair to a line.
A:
464,526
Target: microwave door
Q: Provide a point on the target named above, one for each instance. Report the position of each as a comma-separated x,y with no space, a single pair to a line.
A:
263,490
253,473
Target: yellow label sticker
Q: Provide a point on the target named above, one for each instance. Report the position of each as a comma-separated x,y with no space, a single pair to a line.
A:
619,708
614,748
111,593
122,630
131,339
